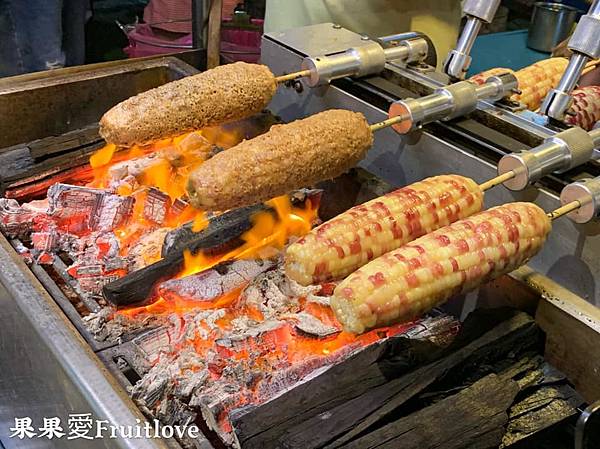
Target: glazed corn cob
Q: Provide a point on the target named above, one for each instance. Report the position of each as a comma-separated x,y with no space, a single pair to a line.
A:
411,280
350,240
586,106
481,78
535,81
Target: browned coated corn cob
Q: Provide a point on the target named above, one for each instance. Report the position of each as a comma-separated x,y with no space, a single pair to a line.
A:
535,81
586,106
411,280
223,94
350,240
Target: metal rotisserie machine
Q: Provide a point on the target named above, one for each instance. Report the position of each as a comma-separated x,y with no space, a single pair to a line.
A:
54,365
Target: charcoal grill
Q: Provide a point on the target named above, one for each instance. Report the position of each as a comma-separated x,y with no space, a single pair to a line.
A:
53,365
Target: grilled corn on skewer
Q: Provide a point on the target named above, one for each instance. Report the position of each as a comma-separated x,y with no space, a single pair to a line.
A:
413,279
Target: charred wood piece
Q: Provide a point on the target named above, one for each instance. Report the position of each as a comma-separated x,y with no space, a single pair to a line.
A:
211,284
81,209
474,418
83,137
222,233
136,287
17,221
312,326
368,387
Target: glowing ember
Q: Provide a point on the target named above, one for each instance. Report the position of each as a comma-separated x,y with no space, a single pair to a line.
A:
163,165
253,338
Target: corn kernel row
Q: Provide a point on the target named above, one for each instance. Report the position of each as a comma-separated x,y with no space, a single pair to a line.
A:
365,232
418,276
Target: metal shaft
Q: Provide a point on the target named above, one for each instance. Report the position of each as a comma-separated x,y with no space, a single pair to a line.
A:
585,45
572,73
449,102
468,35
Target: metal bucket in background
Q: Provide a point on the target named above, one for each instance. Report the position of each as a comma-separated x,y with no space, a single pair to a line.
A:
550,25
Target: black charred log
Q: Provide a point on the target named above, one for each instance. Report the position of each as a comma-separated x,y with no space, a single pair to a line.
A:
365,391
221,231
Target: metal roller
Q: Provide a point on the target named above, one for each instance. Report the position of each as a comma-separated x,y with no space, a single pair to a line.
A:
458,61
449,102
587,193
560,152
366,59
585,45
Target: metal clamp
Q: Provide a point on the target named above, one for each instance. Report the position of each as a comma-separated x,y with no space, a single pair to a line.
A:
458,61
449,102
560,152
366,59
587,192
585,45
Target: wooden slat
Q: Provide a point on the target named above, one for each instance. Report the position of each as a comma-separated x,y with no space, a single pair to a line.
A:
213,51
69,141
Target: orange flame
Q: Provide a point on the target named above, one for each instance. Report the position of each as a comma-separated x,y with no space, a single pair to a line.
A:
168,164
267,236
270,232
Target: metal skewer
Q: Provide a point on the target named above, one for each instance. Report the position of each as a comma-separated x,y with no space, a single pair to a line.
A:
497,180
292,76
563,210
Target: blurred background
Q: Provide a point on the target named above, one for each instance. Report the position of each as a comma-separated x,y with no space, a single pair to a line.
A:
45,34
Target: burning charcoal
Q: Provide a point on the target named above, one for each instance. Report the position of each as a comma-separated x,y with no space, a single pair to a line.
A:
225,228
190,382
319,294
78,271
73,206
116,264
172,412
146,250
205,322
45,241
185,366
214,283
178,207
218,398
80,209
152,343
133,167
311,325
156,206
91,270
92,285
113,212
95,322
105,325
193,148
15,220
269,293
249,329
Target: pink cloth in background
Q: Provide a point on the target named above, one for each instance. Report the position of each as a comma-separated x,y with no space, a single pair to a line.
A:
159,11
154,36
